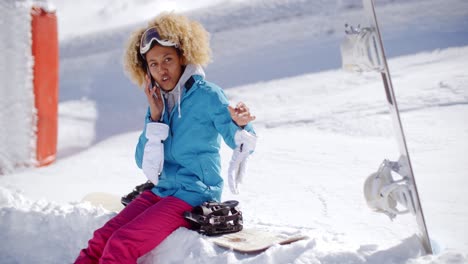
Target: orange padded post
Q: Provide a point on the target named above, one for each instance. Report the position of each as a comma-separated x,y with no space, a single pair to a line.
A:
45,51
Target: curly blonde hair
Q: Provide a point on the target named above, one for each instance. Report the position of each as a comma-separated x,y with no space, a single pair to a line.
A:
193,42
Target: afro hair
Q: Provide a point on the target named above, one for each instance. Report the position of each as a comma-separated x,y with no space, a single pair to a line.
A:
192,38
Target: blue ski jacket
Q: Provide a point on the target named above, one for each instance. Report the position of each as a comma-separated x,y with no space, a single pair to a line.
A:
192,164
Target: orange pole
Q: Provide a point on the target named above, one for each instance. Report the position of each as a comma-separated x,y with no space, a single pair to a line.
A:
45,51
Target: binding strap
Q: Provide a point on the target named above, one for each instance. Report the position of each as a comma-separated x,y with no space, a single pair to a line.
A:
213,218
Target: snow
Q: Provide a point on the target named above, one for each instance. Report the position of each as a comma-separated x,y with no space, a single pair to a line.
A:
18,119
321,130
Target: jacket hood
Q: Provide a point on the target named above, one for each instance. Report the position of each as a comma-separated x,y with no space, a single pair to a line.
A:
174,96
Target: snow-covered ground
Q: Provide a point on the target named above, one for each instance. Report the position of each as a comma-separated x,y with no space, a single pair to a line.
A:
321,133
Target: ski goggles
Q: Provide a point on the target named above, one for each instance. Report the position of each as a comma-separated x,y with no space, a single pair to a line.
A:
149,37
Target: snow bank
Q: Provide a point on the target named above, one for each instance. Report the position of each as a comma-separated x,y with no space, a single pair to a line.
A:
46,232
42,231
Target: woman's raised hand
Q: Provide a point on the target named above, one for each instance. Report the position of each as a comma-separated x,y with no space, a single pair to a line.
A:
153,94
241,114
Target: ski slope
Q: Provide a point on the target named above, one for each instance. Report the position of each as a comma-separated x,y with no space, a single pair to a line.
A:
321,132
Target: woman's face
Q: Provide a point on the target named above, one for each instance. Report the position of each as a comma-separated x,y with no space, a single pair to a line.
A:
165,66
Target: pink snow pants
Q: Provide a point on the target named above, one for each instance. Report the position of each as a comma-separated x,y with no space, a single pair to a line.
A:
136,230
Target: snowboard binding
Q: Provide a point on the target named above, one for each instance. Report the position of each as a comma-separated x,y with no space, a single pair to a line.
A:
213,218
388,195
125,200
359,50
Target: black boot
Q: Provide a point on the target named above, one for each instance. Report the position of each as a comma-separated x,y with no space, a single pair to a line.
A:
136,192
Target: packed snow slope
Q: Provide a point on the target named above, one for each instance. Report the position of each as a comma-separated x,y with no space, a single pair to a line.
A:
252,41
320,134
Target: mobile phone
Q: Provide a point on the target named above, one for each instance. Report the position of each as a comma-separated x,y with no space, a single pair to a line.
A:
153,83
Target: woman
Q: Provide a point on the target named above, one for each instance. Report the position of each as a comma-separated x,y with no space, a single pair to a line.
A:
178,149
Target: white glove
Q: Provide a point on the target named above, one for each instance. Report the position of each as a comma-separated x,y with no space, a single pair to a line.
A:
237,166
153,155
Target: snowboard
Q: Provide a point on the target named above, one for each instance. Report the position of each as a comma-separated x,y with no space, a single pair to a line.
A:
108,201
366,53
253,240
247,241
